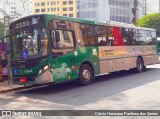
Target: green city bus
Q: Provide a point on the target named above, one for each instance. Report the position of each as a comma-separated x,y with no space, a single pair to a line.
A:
48,49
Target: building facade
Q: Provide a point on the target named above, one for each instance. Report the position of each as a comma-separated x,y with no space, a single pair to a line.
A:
148,7
15,8
57,7
152,6
105,10
97,10
24,7
142,8
7,8
121,10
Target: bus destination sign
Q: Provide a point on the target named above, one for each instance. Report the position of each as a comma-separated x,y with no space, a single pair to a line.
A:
26,22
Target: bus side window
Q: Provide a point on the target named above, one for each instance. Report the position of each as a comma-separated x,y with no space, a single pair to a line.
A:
125,35
62,39
142,38
102,41
109,36
89,36
148,38
100,34
153,35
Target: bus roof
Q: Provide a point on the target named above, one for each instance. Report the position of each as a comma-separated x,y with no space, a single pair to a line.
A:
106,23
70,19
124,25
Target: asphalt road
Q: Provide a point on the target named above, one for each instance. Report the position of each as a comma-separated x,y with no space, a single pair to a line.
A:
123,90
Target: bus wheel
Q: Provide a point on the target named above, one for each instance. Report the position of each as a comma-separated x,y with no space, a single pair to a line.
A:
86,75
140,65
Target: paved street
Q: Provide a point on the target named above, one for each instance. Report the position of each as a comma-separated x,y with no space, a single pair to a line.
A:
117,91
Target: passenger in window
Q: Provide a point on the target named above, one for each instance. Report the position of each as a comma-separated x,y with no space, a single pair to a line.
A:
109,42
102,43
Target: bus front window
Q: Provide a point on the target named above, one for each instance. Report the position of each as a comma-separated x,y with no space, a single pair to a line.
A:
27,44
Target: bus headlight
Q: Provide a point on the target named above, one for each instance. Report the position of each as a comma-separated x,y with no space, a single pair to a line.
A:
40,71
43,69
46,67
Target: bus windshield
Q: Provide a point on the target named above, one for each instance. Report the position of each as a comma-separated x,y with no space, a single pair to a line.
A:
28,44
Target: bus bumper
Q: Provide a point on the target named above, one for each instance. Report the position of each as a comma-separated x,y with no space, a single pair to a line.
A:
45,77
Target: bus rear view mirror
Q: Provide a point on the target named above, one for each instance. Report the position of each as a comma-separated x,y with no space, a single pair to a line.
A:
57,35
52,34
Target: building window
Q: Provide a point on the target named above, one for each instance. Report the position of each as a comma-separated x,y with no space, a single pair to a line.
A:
37,4
64,9
54,9
70,15
70,2
42,3
43,10
48,3
57,9
64,14
37,10
51,9
57,2
48,9
64,2
70,9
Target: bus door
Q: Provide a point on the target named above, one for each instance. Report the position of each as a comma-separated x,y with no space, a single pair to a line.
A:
63,58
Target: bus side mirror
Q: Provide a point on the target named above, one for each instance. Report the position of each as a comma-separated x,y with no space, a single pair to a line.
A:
57,35
52,34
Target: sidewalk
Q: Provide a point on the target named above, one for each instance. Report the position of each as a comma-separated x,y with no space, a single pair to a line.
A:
5,87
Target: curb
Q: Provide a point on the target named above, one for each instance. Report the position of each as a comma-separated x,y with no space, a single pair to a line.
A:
19,88
14,89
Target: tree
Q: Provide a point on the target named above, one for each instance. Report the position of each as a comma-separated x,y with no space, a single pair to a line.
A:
150,21
25,4
1,29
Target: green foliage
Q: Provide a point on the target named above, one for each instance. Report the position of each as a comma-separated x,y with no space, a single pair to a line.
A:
1,29
150,21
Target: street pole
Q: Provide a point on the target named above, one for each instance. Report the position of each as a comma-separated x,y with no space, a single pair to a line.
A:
134,11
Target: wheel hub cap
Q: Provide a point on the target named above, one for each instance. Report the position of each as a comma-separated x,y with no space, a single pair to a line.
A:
86,74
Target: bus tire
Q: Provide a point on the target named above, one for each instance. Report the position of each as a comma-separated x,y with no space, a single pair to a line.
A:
139,65
86,75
